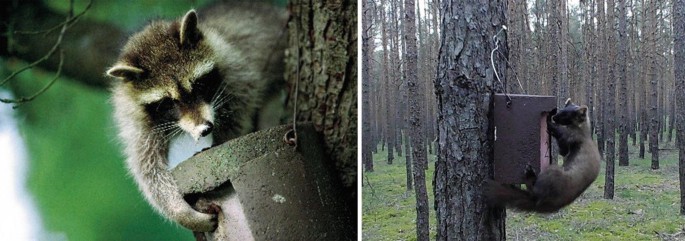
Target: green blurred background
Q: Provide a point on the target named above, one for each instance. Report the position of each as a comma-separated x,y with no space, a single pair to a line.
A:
76,172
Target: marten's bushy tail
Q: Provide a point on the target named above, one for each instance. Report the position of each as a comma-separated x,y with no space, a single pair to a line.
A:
508,196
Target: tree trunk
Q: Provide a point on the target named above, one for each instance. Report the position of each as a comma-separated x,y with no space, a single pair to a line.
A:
652,78
621,61
465,88
417,133
408,168
587,56
387,89
324,33
367,51
602,57
679,66
643,86
610,99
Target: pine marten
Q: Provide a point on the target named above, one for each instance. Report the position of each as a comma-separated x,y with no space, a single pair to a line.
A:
195,81
557,186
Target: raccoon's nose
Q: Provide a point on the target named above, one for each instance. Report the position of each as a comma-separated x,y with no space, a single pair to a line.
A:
208,129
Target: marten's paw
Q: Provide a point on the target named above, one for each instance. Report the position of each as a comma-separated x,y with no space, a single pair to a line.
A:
552,113
530,171
551,126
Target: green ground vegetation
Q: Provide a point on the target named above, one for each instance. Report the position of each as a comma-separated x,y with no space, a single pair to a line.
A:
645,206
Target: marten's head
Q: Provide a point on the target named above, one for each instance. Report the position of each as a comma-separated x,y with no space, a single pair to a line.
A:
571,114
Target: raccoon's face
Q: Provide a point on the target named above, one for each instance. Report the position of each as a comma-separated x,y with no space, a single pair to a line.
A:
167,69
571,114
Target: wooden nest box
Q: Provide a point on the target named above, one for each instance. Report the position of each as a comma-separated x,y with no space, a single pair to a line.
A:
521,136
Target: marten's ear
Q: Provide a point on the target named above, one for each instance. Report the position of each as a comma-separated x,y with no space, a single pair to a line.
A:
189,33
582,110
125,72
568,102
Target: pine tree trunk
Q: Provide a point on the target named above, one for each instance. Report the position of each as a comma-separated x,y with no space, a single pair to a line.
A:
366,78
602,97
654,95
610,98
679,66
643,86
416,130
623,109
408,167
324,33
465,88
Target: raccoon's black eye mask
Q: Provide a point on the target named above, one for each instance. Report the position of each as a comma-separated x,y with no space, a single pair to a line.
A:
206,86
163,110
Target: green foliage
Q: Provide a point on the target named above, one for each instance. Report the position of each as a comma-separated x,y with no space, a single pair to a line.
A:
645,206
76,173
130,15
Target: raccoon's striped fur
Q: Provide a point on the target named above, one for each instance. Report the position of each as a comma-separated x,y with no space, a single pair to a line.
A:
202,78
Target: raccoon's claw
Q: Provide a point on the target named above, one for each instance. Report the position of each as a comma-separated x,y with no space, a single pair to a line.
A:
213,210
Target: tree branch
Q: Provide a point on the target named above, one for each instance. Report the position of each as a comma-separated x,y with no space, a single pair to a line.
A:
89,46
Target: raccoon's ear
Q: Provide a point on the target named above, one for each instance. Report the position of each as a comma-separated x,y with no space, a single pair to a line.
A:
125,72
582,110
568,102
189,33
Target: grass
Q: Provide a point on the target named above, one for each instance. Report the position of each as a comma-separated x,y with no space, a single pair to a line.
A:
389,211
645,205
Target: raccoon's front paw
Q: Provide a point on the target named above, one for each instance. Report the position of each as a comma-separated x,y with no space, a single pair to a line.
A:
197,221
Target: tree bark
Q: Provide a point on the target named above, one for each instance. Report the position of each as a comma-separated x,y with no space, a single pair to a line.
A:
601,59
387,89
324,33
679,66
465,86
621,61
652,78
367,50
610,100
416,111
644,74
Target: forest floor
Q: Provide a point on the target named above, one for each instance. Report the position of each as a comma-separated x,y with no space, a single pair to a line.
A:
645,205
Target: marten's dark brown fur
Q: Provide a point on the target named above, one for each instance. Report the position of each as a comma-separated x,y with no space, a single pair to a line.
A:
557,186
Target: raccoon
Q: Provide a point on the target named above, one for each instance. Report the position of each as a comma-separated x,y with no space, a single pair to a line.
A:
191,83
557,186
